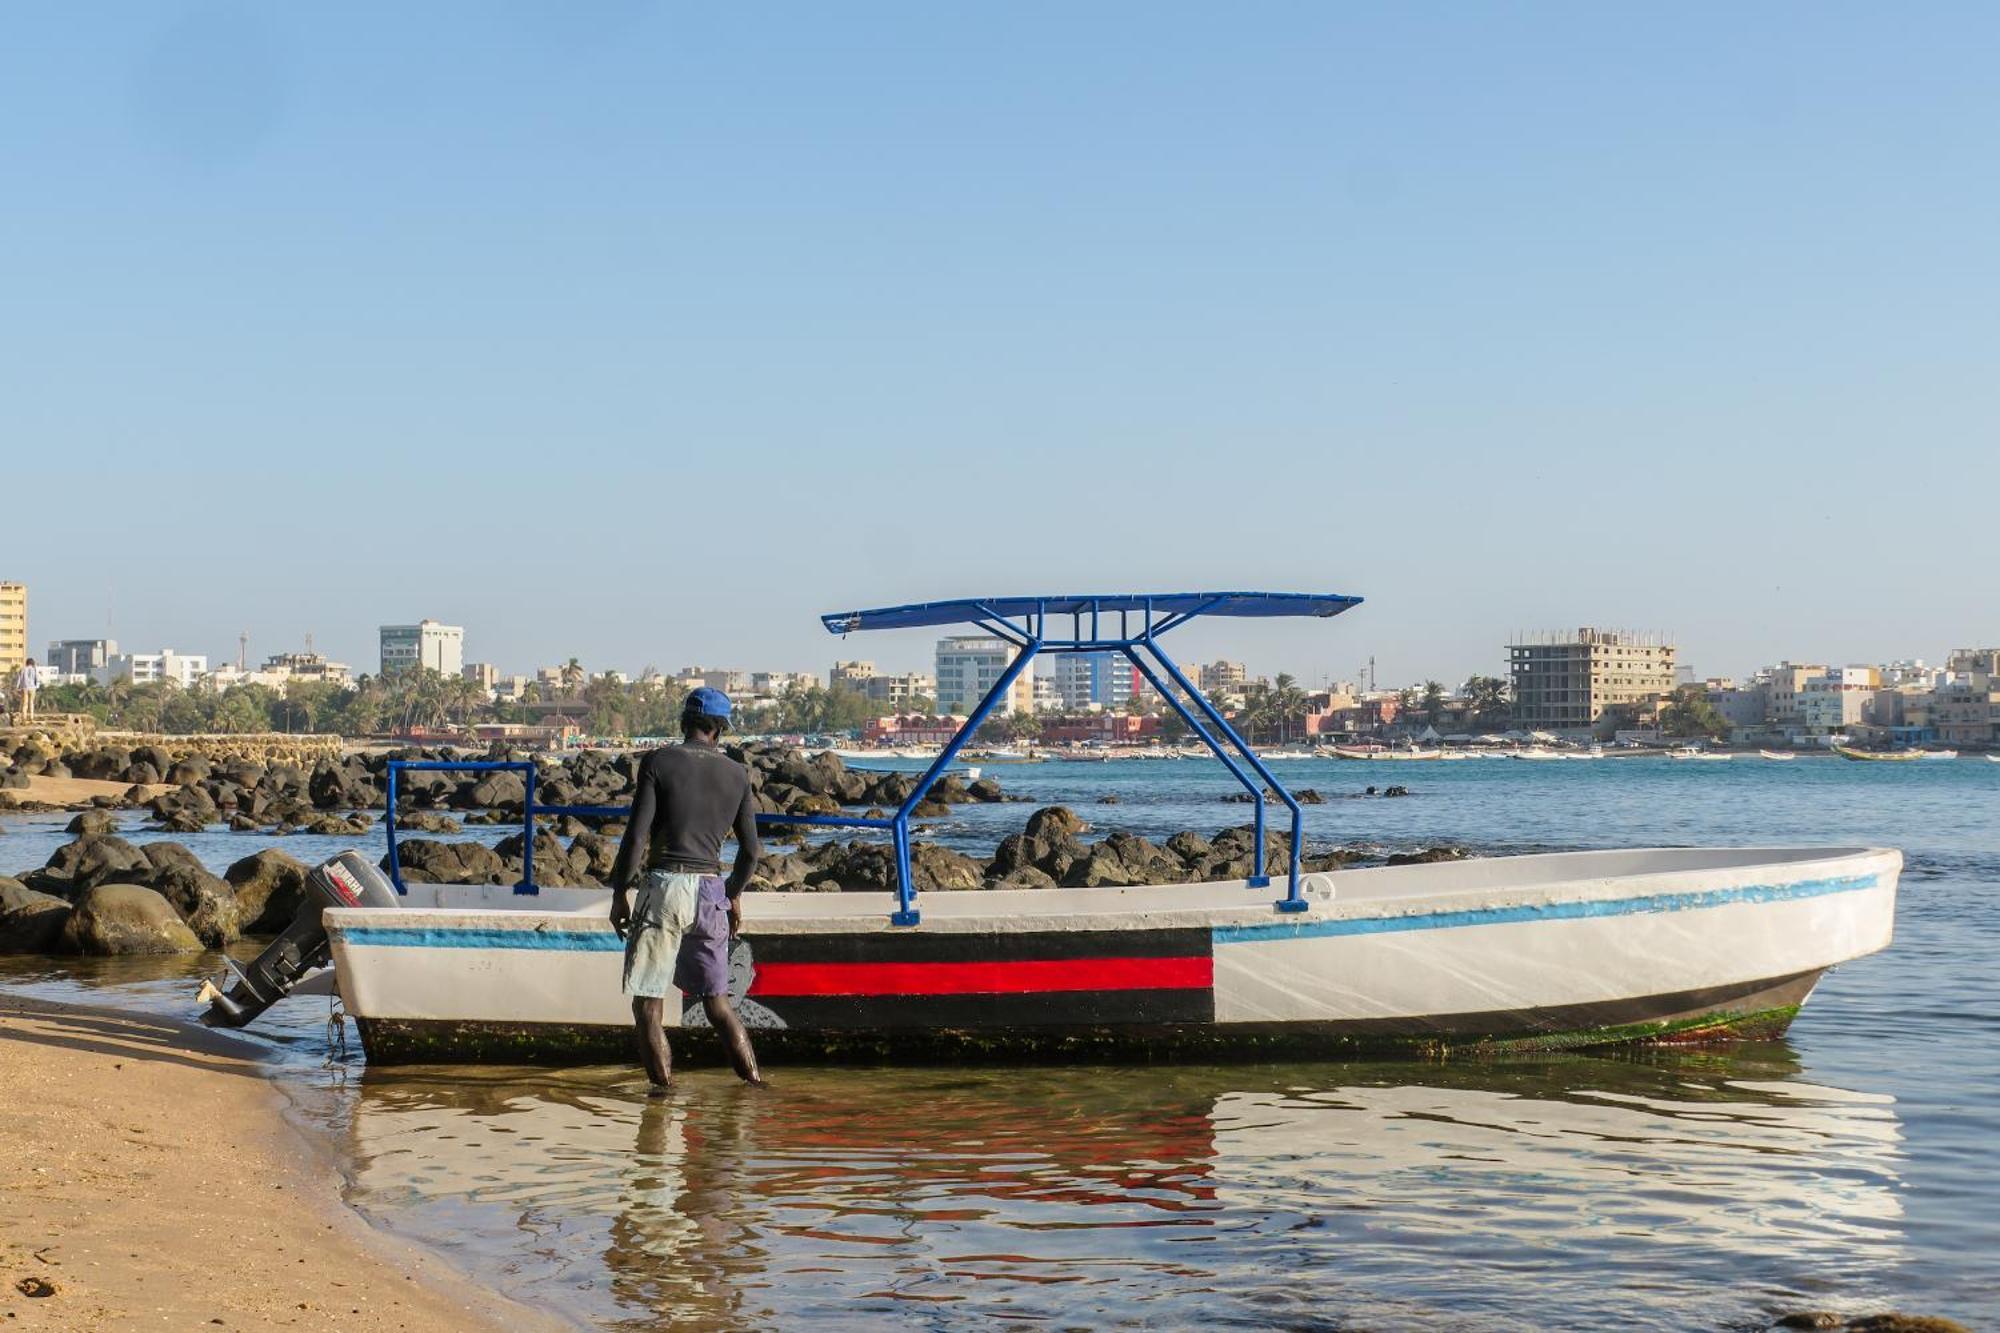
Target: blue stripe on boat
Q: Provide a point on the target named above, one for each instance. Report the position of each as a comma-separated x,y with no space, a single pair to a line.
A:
474,937
604,941
1569,911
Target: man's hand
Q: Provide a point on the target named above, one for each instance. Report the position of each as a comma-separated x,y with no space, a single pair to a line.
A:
735,917
621,912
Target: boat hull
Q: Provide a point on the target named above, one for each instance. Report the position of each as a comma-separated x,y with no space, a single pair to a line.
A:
1504,954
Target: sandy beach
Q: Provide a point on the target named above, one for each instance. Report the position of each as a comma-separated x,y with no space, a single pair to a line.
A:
152,1181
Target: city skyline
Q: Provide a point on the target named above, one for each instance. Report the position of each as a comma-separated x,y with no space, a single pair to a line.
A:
1481,316
879,649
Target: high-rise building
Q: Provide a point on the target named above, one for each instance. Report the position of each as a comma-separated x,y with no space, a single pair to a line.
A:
1102,680
483,674
968,665
1566,680
13,629
79,657
427,644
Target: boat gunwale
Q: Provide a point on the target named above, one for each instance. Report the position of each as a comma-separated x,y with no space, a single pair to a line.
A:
1013,911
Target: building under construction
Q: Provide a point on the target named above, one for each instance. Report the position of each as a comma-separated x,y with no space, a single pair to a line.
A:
1565,680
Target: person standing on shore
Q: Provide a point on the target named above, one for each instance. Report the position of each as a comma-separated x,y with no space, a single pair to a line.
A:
26,681
690,797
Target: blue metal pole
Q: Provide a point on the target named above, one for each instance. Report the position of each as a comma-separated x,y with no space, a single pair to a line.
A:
527,884
1258,879
930,776
389,822
1294,900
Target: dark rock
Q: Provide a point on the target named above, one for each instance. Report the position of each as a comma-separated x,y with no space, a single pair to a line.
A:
30,922
1396,791
100,858
92,821
243,824
205,902
119,919
189,768
269,888
986,789
429,862
929,808
140,775
1190,847
426,821
594,854
1428,856
183,821
553,865
1054,822
162,856
1025,877
1109,798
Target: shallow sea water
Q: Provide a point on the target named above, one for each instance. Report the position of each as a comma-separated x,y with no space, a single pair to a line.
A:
1847,1166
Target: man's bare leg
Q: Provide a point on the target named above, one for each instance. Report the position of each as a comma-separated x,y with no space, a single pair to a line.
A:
649,1015
734,1039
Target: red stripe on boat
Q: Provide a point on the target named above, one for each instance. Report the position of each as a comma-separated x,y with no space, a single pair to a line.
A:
1024,977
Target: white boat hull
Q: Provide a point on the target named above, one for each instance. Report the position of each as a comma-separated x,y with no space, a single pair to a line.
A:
1567,949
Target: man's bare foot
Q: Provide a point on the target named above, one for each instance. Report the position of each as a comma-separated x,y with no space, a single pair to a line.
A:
656,1091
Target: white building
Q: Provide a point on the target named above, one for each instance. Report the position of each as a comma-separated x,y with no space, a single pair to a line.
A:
428,644
968,665
1094,680
183,669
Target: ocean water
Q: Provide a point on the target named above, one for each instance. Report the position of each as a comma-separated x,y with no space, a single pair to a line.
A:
1848,1166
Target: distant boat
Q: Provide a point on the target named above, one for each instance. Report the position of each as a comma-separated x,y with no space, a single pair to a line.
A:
1993,758
1780,755
1879,756
1942,754
1691,753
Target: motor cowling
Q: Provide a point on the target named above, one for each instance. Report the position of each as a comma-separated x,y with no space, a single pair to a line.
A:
348,880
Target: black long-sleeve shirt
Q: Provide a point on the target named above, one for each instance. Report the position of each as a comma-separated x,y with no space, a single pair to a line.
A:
689,798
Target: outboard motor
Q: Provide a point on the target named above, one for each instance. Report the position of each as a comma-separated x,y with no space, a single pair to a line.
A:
348,880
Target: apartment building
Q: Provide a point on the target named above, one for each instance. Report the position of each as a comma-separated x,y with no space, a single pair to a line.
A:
427,644
968,665
1567,680
1083,681
13,629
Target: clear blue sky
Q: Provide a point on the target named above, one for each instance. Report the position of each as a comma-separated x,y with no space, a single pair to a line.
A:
646,332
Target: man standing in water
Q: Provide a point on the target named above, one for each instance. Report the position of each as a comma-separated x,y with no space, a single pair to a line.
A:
677,934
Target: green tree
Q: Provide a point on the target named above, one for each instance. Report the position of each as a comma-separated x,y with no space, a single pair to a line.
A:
1689,713
1491,701
1433,703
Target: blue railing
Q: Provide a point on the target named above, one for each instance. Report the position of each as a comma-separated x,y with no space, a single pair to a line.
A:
1024,622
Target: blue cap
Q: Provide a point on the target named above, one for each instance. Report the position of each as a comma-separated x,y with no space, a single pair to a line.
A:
707,702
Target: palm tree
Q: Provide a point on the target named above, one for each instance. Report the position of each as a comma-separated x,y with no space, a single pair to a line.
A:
1288,702
1433,702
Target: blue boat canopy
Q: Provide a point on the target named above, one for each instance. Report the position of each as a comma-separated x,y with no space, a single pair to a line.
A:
1176,605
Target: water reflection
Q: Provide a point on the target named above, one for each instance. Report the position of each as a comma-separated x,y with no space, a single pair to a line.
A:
1662,1192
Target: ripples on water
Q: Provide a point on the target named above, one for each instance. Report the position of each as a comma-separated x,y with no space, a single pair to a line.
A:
1847,1166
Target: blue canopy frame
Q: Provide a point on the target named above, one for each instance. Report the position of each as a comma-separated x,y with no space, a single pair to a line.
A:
1127,624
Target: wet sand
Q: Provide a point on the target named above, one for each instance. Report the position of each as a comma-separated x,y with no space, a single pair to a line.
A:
81,791
149,1179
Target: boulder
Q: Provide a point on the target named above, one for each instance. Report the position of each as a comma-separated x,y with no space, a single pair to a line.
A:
430,862
269,888
99,858
504,790
119,919
162,856
552,860
935,868
205,902
595,855
30,922
93,821
985,789
1428,856
1025,877
427,821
